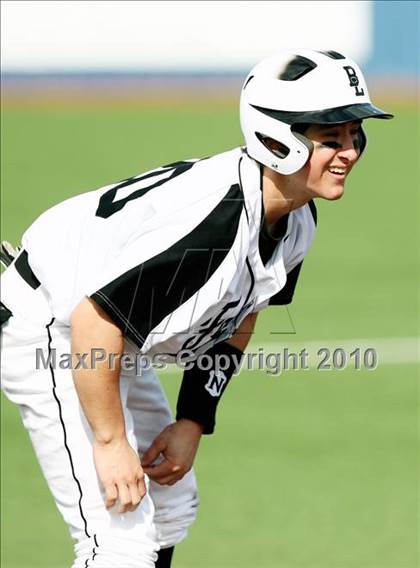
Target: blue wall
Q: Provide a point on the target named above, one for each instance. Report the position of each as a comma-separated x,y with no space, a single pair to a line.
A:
396,38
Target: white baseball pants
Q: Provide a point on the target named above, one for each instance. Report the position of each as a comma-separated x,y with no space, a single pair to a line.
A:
62,440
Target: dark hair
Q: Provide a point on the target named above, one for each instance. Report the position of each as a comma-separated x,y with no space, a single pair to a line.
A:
300,128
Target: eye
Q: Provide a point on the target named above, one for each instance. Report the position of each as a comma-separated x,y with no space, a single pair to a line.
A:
331,144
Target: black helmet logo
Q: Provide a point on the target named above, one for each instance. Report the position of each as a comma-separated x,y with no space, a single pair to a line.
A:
354,80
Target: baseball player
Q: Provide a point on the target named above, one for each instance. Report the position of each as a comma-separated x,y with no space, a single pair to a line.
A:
174,265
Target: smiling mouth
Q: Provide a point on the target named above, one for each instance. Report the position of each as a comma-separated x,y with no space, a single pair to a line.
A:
338,172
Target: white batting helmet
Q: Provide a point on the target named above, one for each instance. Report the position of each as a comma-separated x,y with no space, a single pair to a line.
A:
299,87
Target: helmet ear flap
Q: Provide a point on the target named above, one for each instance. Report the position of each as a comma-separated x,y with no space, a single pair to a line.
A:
305,141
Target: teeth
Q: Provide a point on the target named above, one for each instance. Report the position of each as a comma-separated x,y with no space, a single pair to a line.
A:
337,170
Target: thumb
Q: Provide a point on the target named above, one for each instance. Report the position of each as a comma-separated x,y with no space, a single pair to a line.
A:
153,451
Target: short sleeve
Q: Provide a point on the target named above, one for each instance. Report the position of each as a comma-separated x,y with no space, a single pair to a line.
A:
138,299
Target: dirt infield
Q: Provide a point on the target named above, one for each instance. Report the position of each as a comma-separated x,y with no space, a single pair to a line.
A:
174,90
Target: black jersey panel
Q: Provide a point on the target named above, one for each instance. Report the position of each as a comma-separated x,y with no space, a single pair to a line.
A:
285,296
142,297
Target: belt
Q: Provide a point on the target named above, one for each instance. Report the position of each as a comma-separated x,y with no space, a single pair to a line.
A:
22,292
22,266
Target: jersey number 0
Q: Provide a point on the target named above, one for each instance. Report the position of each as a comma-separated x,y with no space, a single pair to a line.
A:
107,204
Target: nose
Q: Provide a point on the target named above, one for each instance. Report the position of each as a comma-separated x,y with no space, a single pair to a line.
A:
349,151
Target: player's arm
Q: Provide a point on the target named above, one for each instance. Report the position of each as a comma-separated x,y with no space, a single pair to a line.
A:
98,387
196,412
202,388
243,334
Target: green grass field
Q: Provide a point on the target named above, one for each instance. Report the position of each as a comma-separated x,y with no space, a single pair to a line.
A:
309,469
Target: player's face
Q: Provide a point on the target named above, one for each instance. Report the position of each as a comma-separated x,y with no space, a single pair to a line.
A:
336,150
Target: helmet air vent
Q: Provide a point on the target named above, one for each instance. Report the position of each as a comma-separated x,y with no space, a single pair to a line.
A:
333,54
280,150
297,68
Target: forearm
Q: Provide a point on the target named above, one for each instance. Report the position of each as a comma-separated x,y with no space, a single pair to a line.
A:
202,389
98,386
243,334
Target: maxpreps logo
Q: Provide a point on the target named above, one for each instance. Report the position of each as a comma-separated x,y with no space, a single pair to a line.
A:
354,80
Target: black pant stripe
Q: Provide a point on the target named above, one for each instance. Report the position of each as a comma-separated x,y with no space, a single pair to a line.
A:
60,413
95,547
87,565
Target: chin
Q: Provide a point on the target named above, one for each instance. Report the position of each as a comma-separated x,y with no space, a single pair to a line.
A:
333,193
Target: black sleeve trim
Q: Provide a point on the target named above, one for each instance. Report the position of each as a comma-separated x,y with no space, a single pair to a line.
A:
285,296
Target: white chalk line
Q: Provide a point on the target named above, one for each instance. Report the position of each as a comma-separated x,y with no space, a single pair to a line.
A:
390,350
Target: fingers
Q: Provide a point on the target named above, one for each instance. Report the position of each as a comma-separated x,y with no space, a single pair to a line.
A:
166,473
152,453
163,469
141,486
128,495
111,495
124,499
137,491
119,470
170,479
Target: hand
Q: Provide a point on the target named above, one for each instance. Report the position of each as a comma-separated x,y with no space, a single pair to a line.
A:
120,472
178,443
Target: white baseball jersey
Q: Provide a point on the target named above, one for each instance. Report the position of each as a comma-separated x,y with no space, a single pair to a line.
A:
175,256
